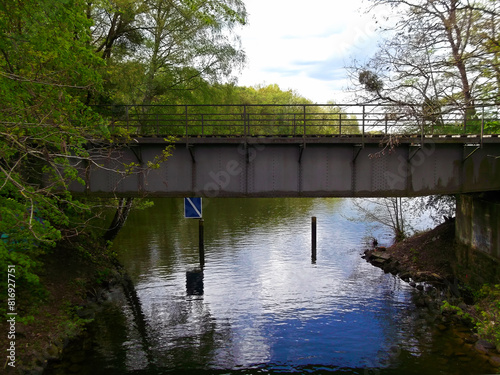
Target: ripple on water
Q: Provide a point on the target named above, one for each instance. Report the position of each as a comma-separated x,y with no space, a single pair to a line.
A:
260,305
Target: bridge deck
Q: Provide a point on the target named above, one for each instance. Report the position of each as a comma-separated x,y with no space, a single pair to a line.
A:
298,167
333,138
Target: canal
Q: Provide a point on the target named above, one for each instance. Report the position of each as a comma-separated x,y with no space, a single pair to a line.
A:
260,304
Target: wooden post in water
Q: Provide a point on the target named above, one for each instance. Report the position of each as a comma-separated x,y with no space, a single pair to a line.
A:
313,238
201,245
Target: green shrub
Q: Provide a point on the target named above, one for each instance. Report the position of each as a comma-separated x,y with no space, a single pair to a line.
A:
488,313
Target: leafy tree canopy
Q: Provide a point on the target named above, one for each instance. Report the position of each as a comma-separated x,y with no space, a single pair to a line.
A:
166,47
47,66
57,58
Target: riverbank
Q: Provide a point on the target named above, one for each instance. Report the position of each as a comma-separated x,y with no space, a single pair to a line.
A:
426,257
74,278
447,289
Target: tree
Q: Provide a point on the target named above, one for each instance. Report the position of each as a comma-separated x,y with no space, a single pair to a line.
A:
48,135
439,208
47,66
116,29
389,212
398,214
167,46
434,56
274,109
487,35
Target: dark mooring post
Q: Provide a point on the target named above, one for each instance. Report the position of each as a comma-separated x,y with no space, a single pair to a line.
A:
201,245
313,238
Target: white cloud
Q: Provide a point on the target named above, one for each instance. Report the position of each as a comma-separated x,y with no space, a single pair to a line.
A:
305,45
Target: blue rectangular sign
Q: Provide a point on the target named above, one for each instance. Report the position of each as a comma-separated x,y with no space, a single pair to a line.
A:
192,208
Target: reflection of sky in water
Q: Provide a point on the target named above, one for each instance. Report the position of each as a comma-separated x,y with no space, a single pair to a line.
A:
265,307
265,302
328,339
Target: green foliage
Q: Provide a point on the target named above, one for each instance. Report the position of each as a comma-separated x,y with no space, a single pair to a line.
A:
73,325
47,67
492,127
165,48
232,110
485,314
488,313
414,253
446,307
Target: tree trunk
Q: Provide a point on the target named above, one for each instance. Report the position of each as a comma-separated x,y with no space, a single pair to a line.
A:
124,207
458,47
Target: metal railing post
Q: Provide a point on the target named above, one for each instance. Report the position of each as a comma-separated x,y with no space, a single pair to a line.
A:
126,111
304,107
113,121
363,126
202,125
482,126
465,119
245,120
186,120
340,123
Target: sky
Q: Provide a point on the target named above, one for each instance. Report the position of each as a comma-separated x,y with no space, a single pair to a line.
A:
306,45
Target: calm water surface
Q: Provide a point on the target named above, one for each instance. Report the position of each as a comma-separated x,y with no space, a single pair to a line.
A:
260,304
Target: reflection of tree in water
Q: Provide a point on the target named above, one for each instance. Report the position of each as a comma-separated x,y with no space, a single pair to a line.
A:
222,215
178,332
166,236
413,344
108,331
139,320
118,338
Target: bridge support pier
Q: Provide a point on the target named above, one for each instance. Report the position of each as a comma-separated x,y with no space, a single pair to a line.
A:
477,228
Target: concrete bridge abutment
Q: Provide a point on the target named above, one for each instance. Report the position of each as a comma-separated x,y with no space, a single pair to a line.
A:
477,233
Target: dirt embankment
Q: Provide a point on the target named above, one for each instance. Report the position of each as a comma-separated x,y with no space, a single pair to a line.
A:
429,263
426,257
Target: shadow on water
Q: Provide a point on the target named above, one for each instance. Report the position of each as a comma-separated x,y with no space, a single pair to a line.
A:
104,335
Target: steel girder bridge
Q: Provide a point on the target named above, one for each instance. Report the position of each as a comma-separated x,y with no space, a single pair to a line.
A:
298,150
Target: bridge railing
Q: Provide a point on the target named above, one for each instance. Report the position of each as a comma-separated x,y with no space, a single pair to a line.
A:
299,120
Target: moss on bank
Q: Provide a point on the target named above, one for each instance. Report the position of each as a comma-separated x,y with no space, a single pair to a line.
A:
73,277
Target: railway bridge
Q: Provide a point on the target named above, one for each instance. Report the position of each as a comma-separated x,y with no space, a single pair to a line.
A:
297,151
